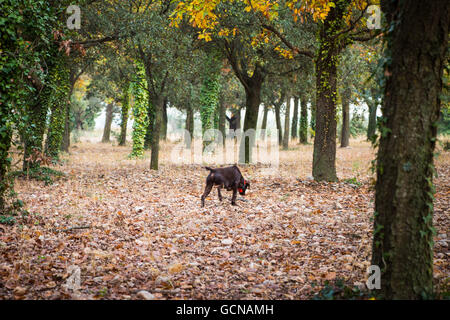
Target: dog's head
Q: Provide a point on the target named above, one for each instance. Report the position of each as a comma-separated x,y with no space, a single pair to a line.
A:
243,185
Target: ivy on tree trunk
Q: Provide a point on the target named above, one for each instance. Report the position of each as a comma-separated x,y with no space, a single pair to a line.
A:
139,98
417,39
330,45
209,94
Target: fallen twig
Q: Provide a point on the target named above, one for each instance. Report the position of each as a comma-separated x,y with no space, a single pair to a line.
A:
72,228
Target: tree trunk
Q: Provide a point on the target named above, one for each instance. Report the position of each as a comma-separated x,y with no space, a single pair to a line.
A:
372,126
140,104
56,127
313,117
278,122
209,94
324,156
108,122
34,133
345,130
264,123
124,114
150,124
59,88
253,100
158,103
295,119
403,234
66,137
222,118
286,124
165,120
303,133
5,162
189,127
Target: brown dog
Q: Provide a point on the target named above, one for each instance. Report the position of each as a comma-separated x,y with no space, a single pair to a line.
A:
229,178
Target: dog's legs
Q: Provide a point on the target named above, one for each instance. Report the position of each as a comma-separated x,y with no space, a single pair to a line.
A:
220,195
205,194
233,199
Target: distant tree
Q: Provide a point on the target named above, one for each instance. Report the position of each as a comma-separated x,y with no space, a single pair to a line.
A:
294,125
286,123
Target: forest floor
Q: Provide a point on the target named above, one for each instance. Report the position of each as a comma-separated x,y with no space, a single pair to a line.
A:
128,229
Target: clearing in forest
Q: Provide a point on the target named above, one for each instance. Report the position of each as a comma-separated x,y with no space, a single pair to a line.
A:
129,228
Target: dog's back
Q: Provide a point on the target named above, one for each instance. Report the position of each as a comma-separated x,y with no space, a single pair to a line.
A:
229,178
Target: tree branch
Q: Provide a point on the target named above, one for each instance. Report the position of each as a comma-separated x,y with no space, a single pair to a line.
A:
307,53
93,42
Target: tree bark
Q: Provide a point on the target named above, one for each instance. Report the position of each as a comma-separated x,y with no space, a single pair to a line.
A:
313,117
295,119
264,123
221,125
303,133
345,130
403,234
278,122
34,133
253,100
125,112
165,120
5,162
56,128
158,103
372,126
148,140
286,124
189,127
66,137
108,121
324,156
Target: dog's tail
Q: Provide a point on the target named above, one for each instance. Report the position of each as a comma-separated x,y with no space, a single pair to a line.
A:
210,169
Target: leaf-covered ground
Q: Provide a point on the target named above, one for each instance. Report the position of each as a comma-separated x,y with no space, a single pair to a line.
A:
128,229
